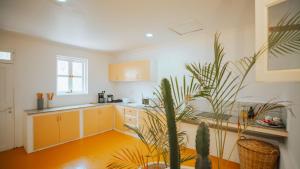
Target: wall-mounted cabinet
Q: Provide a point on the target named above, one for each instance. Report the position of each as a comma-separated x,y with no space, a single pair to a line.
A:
130,71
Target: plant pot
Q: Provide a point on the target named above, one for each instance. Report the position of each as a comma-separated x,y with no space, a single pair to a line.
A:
184,167
162,166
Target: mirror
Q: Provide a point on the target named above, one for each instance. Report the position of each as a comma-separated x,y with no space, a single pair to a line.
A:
275,68
275,13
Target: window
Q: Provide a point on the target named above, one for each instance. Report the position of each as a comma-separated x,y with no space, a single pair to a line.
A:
71,76
5,57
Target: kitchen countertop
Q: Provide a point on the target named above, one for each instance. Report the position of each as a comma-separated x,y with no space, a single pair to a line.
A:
251,129
232,121
47,110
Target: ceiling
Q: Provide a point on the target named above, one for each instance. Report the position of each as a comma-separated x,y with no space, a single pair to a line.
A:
118,25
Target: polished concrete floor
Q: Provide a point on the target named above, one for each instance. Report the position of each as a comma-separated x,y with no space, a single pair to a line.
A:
88,153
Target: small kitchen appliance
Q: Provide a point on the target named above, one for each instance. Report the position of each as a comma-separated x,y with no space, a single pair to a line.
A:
101,97
146,101
110,98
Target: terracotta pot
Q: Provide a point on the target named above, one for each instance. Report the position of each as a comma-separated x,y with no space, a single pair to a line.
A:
162,166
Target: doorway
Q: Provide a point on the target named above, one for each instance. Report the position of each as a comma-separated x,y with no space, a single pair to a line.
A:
7,130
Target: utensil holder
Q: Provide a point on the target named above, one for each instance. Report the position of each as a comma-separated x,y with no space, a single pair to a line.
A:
49,103
40,104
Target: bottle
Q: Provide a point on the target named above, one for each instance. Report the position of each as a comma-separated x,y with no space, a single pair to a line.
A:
251,113
243,114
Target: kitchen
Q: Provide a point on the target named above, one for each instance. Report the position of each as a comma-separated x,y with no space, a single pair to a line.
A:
128,75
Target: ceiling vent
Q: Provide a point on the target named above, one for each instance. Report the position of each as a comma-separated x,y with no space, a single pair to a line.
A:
187,27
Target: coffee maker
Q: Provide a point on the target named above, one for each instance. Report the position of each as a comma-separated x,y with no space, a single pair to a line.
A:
110,98
101,97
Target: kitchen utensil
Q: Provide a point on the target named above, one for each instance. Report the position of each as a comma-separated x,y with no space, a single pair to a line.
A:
50,99
40,104
40,101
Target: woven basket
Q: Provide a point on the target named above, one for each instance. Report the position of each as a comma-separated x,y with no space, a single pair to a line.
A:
256,154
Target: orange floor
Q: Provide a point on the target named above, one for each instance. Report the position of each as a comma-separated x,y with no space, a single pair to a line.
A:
89,153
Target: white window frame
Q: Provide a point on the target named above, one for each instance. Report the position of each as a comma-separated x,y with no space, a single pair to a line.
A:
70,76
11,57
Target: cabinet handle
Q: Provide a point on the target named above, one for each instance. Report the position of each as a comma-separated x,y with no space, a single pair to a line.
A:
57,118
60,117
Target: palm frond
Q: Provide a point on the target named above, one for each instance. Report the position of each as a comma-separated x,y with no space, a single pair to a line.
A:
128,159
182,94
285,41
262,109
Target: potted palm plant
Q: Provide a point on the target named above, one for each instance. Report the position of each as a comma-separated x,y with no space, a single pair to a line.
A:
154,132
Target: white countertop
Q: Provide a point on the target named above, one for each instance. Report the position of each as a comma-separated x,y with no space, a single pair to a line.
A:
47,110
255,129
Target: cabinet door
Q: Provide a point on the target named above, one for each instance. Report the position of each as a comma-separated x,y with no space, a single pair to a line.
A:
142,117
112,72
106,116
116,72
130,71
119,118
137,70
90,121
46,130
143,69
69,126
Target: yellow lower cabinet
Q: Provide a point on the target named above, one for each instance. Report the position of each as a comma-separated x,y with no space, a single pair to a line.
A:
142,118
69,126
106,118
90,121
98,120
51,129
45,130
119,118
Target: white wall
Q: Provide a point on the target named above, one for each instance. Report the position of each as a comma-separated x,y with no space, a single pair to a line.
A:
35,71
170,58
291,148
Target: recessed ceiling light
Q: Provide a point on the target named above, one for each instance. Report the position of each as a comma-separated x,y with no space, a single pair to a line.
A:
149,35
61,0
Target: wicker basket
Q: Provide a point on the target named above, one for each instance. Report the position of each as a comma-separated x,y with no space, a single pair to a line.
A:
256,154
